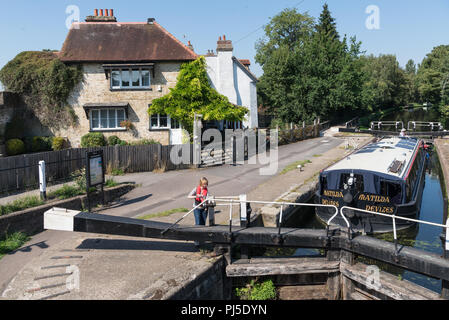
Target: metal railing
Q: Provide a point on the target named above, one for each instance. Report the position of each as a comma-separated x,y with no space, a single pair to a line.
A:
231,201
412,125
394,217
379,124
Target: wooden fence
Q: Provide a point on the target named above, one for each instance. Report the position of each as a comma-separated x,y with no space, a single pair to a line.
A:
22,172
302,133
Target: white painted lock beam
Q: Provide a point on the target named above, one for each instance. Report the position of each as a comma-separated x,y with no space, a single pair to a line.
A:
59,219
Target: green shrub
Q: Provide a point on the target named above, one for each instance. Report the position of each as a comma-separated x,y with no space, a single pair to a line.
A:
144,142
110,183
21,204
117,172
58,143
15,147
257,291
93,139
80,178
12,242
66,192
114,140
41,144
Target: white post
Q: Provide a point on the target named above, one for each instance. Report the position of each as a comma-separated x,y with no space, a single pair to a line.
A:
42,180
243,218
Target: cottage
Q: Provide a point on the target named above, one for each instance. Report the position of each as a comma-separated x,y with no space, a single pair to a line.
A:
232,77
128,65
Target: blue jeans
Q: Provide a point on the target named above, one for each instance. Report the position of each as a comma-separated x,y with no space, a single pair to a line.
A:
200,216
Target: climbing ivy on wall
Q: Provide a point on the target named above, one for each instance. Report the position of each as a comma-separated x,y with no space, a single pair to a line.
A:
45,83
194,94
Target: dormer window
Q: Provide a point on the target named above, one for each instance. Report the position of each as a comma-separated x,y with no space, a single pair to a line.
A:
130,78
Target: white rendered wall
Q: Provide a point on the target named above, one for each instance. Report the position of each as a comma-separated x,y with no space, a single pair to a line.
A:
226,75
231,81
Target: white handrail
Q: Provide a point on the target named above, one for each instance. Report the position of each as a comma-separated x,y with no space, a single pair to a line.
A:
394,217
232,202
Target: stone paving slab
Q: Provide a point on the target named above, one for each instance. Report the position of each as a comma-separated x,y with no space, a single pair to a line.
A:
109,267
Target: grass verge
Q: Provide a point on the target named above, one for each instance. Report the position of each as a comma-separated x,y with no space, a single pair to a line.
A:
163,213
65,192
21,204
295,165
12,242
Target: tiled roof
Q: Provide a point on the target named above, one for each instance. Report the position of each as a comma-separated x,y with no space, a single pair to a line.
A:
122,42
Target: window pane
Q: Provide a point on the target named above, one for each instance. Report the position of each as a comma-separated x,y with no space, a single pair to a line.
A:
115,78
145,78
174,124
135,78
125,78
153,121
120,116
163,121
95,119
103,118
112,119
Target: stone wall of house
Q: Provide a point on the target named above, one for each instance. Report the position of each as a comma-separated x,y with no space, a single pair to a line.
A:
96,89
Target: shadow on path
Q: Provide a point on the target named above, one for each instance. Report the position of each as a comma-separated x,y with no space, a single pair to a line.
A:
112,244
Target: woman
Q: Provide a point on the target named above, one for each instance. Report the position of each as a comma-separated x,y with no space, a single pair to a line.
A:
200,194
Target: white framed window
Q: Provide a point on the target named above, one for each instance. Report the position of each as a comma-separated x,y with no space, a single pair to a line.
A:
135,78
107,119
163,121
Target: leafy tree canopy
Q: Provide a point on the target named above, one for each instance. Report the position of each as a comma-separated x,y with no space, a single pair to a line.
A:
44,82
194,94
385,86
310,73
433,76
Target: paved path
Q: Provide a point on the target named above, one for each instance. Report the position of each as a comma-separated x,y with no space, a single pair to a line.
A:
157,192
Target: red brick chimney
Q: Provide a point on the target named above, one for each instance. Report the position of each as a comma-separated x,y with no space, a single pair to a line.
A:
224,45
102,16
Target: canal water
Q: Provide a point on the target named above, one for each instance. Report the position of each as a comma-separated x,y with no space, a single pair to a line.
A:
417,114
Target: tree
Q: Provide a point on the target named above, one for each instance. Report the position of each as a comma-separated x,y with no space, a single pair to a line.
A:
411,82
286,35
385,86
327,26
289,29
193,94
310,74
433,76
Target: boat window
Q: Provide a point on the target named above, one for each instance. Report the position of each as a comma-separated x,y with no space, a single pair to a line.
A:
391,190
414,175
359,186
323,184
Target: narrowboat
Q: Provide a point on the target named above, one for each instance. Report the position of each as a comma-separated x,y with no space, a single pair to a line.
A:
385,176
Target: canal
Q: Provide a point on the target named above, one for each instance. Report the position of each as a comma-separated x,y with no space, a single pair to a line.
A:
421,236
417,114
424,237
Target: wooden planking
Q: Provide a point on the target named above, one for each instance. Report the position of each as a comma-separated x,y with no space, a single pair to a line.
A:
266,266
310,292
390,285
18,172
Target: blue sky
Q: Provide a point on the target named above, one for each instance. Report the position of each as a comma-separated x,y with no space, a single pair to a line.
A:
408,28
